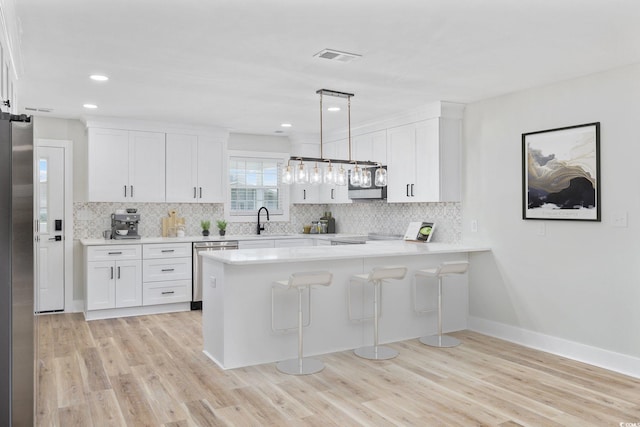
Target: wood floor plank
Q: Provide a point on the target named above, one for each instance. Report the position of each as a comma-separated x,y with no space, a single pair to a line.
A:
150,370
105,409
134,404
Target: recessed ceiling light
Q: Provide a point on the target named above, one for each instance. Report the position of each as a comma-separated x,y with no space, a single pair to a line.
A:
333,109
286,125
99,77
90,106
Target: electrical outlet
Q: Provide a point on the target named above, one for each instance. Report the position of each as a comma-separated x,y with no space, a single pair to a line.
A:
620,219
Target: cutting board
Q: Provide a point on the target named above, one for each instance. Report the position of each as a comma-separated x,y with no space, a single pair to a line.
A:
170,224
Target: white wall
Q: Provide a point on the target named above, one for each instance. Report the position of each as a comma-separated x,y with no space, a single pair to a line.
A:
580,281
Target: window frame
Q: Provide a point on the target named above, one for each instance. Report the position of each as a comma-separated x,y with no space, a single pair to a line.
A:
283,191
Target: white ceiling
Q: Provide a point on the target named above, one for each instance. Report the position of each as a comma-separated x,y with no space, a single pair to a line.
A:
248,65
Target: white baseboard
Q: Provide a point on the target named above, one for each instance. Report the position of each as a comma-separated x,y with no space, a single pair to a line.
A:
606,359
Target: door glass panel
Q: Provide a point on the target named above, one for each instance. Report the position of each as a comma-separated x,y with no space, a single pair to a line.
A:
43,196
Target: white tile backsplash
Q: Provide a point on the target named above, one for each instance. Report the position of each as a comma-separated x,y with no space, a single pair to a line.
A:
90,219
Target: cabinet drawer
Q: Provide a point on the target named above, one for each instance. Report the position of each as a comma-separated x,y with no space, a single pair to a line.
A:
154,270
113,252
166,250
166,292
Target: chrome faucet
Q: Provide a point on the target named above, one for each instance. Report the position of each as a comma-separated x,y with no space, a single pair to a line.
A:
261,228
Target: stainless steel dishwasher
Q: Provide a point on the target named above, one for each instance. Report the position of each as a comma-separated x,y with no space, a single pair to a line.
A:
227,245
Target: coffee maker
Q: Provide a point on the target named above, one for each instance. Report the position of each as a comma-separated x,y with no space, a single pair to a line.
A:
125,226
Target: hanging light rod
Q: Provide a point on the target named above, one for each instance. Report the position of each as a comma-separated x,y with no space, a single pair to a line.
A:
338,161
330,92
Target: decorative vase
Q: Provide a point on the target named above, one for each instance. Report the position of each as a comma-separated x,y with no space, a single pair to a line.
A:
223,232
205,232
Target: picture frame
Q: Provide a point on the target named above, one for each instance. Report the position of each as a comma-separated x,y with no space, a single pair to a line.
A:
561,173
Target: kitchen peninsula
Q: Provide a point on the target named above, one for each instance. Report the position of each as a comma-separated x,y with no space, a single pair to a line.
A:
237,303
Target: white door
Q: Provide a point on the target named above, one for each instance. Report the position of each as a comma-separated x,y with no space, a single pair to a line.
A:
51,228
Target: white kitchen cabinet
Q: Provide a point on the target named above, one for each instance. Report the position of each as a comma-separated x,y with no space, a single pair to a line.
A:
166,273
333,193
371,147
126,166
304,193
195,169
424,161
113,277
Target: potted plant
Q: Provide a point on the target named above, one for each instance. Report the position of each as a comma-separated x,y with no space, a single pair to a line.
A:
222,226
205,227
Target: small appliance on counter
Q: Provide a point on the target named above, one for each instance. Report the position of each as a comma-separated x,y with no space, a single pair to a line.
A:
125,225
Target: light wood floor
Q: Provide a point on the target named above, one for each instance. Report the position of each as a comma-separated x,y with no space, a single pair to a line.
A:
150,371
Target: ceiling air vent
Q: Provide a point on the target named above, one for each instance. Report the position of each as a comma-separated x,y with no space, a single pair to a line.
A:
336,55
41,110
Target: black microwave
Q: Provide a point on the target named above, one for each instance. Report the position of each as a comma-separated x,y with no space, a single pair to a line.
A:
370,193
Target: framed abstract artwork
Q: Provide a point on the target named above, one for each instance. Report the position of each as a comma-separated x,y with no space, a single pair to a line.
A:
561,173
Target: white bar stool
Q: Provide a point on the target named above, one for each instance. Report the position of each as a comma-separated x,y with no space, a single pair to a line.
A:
300,282
445,269
377,276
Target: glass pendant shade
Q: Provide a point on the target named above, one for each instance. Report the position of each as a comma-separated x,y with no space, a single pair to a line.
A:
341,176
329,175
381,177
356,176
301,174
316,175
287,175
366,179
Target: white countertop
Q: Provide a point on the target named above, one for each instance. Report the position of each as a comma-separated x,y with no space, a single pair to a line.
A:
211,238
322,253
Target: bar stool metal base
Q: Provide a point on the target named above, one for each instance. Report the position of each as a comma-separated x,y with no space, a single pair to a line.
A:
441,341
305,366
378,352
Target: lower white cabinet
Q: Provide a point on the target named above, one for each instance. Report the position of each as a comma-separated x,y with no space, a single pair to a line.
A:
166,273
113,277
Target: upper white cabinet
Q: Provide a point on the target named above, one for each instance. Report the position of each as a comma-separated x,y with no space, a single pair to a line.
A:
332,193
371,147
424,161
195,168
126,166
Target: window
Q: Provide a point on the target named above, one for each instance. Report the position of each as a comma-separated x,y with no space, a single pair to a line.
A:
254,182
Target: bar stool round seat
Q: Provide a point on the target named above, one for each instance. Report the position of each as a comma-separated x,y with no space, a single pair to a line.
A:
299,282
377,276
447,268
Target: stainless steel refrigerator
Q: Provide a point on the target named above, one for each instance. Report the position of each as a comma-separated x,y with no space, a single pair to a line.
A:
17,320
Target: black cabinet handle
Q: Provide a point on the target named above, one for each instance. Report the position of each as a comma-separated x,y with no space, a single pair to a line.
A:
332,193
168,250
132,191
111,273
125,191
115,253
407,190
118,272
168,269
168,292
200,192
194,193
304,194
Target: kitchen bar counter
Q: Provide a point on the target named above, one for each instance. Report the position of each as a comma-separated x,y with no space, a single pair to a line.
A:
211,238
237,299
324,253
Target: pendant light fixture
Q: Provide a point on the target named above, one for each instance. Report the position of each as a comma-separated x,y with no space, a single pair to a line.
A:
330,174
287,173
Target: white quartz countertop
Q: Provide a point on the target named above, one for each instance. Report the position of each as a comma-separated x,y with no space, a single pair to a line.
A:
211,238
323,253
